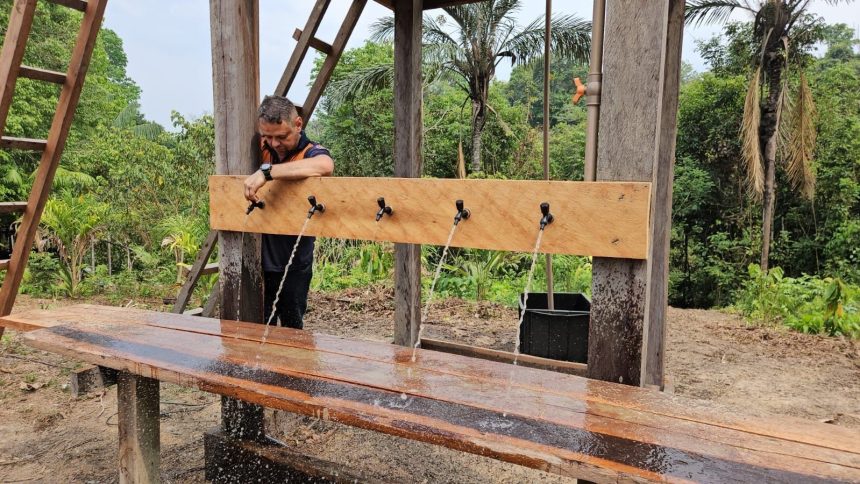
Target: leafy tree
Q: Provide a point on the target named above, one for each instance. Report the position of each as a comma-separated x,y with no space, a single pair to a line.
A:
782,35
72,223
468,52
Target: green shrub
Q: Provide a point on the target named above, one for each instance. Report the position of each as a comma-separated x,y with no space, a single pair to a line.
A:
807,303
42,277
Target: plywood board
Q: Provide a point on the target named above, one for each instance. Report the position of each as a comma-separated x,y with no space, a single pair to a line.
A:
597,219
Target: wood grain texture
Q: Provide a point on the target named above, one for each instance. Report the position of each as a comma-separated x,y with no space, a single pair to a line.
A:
689,416
56,142
599,219
635,38
408,161
468,413
139,429
234,25
657,268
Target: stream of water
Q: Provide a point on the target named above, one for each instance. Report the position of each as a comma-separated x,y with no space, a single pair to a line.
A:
526,290
432,288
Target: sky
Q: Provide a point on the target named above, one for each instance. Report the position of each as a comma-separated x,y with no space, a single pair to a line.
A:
168,44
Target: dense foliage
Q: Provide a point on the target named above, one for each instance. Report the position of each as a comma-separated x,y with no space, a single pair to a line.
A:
130,204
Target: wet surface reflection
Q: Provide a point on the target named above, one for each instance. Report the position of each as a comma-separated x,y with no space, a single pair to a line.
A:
649,457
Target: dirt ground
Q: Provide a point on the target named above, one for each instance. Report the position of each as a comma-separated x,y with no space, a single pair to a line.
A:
46,435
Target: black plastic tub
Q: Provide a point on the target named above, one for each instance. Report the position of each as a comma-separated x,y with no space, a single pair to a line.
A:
560,334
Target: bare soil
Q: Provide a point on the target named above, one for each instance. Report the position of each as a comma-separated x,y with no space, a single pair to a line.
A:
48,436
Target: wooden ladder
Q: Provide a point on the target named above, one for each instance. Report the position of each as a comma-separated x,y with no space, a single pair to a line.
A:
305,39
20,21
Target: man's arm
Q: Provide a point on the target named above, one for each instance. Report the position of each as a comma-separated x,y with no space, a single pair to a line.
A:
320,165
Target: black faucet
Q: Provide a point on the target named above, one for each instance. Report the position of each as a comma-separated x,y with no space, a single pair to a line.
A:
547,217
315,207
462,213
261,204
383,209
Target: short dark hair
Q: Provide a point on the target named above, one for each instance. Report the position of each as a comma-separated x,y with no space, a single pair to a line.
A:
275,109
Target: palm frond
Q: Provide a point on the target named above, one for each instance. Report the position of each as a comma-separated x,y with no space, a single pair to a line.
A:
66,179
128,117
382,30
713,11
148,130
570,39
751,149
361,82
800,148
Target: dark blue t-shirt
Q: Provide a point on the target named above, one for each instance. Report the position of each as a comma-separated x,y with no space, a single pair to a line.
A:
277,248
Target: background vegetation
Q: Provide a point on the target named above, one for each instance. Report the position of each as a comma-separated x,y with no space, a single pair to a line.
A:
130,205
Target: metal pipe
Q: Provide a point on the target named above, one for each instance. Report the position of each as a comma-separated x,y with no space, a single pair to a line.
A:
595,79
546,73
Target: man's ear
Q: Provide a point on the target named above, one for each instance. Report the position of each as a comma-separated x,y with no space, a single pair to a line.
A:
299,122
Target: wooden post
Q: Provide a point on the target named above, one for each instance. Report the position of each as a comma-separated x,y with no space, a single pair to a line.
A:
657,291
236,86
639,92
139,433
407,160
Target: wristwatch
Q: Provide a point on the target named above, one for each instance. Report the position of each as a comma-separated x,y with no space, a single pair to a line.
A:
266,168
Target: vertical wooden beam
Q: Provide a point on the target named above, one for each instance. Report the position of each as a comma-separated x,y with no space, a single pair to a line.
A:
636,41
139,432
407,160
236,85
657,291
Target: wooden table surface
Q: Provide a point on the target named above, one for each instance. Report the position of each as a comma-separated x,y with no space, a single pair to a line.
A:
550,421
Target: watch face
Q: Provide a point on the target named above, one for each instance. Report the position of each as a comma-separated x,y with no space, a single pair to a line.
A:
266,167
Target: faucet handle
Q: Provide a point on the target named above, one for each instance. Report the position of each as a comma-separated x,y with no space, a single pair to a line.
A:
459,205
381,202
544,208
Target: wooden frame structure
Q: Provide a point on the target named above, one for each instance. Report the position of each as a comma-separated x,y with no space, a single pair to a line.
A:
629,294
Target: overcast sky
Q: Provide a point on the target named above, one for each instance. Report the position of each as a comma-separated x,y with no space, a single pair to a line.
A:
168,44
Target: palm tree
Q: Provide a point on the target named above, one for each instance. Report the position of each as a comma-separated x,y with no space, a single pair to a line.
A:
779,117
468,52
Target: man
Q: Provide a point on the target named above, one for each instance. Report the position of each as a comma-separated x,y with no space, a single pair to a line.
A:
287,155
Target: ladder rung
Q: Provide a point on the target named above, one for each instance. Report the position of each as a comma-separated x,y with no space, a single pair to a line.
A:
212,268
316,43
4,264
42,75
23,143
11,207
80,5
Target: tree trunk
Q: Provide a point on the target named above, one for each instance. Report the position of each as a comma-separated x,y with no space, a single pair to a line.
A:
110,259
479,118
768,134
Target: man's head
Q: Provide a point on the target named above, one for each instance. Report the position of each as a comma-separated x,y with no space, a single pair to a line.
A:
279,124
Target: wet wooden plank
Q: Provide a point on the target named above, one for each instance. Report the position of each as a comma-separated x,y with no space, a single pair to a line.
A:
606,399
543,418
608,219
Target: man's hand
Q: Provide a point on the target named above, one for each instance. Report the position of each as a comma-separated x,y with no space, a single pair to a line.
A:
252,184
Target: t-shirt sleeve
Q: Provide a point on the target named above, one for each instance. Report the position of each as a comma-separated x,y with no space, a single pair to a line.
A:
317,150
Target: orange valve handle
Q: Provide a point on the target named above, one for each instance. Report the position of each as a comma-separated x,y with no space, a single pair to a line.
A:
580,90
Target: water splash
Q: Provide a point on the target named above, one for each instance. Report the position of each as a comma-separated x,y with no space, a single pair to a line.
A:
432,288
281,285
523,305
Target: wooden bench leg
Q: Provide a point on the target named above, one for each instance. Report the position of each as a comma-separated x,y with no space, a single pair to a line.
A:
139,433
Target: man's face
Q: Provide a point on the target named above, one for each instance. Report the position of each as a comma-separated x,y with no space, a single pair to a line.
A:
283,137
